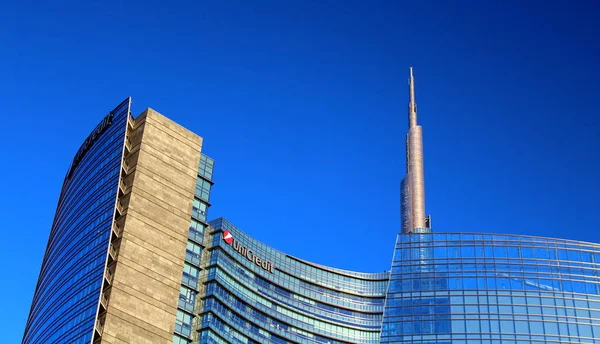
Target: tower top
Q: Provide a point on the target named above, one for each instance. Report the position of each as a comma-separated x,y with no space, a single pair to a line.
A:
412,106
412,194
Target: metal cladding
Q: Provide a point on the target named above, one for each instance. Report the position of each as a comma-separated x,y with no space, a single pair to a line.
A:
413,185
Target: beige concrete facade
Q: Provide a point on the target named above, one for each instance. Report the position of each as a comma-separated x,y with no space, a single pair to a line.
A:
161,172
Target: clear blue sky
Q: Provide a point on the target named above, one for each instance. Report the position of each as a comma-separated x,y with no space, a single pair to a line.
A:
303,106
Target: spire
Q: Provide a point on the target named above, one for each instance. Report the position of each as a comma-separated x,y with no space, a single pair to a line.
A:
413,185
412,106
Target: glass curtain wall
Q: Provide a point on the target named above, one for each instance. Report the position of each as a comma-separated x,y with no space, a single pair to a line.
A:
66,297
483,288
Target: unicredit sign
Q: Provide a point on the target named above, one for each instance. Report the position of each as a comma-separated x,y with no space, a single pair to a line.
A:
246,252
100,128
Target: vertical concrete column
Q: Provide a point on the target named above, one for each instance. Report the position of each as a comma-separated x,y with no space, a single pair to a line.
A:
145,289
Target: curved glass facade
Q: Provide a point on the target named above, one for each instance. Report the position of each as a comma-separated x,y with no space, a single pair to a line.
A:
255,294
462,288
485,288
66,298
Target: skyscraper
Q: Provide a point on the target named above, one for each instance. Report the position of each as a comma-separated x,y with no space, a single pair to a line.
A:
472,288
412,203
132,257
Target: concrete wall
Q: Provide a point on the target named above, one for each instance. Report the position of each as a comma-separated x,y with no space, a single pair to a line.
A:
145,289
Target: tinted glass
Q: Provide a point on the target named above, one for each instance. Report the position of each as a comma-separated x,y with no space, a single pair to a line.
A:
464,288
66,297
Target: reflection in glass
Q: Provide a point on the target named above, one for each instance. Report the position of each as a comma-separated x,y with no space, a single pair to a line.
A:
445,288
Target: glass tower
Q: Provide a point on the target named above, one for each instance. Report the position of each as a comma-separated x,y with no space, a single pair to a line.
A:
470,288
484,288
66,297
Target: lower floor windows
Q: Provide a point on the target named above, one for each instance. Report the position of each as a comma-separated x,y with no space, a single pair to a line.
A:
180,340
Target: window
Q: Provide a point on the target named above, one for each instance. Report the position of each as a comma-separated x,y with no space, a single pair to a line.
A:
203,189
199,209
183,323
187,294
193,252
184,318
197,226
191,270
206,166
193,247
180,340
196,231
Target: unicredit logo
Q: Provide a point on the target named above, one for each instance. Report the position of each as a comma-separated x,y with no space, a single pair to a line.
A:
227,237
246,252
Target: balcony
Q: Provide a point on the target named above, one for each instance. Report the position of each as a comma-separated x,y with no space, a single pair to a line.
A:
112,253
130,122
104,301
121,209
125,168
108,278
128,145
123,187
117,232
98,327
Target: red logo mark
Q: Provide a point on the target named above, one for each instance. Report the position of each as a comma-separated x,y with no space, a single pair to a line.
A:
227,237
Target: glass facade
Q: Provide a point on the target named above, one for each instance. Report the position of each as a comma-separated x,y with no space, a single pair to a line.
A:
246,292
190,284
462,288
485,288
255,294
65,301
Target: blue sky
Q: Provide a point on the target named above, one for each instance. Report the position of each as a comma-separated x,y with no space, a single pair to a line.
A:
303,106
